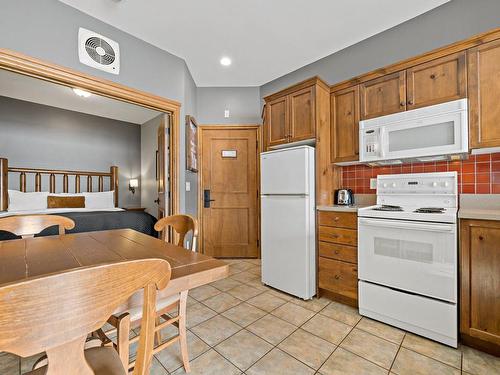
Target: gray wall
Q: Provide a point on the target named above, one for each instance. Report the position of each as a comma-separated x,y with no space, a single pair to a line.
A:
38,136
451,22
242,102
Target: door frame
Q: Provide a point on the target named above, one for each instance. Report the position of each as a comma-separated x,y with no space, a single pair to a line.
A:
258,129
23,64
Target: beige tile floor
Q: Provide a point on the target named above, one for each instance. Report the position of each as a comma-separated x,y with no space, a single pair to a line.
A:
239,326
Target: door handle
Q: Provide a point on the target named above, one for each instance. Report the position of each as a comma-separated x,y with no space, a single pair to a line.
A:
206,198
157,201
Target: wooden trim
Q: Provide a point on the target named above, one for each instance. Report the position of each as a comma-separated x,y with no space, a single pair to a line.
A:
258,128
4,185
298,86
420,59
26,65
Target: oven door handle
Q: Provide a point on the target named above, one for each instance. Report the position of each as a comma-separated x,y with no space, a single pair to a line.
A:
406,225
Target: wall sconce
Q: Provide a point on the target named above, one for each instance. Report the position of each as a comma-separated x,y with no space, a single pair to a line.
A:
133,184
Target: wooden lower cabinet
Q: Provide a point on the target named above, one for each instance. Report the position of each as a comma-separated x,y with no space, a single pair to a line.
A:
338,256
480,284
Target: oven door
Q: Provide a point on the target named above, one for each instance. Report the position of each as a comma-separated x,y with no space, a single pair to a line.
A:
416,257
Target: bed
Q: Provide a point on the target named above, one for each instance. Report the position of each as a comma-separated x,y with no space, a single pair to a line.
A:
86,219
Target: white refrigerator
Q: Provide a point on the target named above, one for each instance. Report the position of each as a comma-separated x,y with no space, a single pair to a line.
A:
288,221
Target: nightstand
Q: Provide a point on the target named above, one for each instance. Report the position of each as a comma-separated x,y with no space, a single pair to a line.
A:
134,208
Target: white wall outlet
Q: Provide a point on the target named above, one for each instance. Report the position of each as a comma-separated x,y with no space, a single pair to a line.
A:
188,186
373,183
226,113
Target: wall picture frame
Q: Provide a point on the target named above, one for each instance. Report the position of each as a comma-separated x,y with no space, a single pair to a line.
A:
191,144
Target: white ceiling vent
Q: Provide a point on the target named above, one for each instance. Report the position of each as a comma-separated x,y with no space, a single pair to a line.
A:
98,51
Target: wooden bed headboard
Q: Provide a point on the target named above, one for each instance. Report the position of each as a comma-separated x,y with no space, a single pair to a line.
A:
23,172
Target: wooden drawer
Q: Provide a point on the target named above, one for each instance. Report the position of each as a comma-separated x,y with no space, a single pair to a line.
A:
338,235
338,277
339,252
338,219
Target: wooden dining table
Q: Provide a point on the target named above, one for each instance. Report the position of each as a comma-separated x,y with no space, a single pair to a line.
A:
41,256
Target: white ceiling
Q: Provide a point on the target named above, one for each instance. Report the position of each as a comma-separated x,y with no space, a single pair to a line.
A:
34,90
265,38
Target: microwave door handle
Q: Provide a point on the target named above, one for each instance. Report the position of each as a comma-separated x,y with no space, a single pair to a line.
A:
382,141
401,225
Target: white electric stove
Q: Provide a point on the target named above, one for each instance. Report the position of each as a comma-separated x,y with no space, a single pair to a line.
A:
407,254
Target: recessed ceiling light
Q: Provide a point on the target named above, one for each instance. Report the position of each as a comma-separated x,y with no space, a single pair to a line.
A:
82,93
226,61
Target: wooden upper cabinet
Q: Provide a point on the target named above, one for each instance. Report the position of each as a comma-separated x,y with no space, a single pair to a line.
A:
293,114
480,282
302,115
277,121
437,81
344,110
483,65
383,96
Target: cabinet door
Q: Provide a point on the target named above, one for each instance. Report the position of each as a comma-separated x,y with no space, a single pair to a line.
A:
302,114
480,280
484,95
278,121
344,107
383,96
437,81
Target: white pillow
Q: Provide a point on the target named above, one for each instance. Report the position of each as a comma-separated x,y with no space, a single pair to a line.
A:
19,201
99,201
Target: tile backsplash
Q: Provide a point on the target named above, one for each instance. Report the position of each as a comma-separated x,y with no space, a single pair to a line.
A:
480,174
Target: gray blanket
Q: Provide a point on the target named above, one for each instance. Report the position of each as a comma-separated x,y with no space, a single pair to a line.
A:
101,220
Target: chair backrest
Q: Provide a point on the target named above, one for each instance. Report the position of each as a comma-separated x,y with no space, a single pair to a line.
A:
181,224
55,313
29,225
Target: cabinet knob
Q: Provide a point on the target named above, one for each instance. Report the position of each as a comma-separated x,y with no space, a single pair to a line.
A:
402,104
337,277
336,252
481,238
432,76
410,102
336,218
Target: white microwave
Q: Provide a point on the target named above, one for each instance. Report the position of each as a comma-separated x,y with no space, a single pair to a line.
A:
438,132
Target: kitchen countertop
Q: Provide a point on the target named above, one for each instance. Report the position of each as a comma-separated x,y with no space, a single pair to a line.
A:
340,208
362,200
479,206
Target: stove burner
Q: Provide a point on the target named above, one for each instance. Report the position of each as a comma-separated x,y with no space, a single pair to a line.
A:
387,207
430,210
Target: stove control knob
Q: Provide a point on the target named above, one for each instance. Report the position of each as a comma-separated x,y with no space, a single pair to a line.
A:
446,184
385,185
434,184
393,184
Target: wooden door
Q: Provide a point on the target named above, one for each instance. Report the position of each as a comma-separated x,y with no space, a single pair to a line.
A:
302,114
437,81
344,107
277,119
480,280
383,96
229,179
161,168
484,95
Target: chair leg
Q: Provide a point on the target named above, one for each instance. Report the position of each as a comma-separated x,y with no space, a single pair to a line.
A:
182,331
122,338
158,333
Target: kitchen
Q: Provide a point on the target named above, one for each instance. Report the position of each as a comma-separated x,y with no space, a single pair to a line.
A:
407,177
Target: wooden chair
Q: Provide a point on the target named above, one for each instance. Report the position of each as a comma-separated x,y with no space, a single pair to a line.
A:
182,224
55,313
28,225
